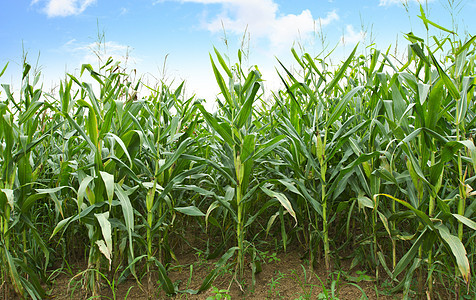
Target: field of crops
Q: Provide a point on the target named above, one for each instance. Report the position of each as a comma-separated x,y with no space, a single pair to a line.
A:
372,161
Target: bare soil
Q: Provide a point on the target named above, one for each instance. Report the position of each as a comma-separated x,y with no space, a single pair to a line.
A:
283,276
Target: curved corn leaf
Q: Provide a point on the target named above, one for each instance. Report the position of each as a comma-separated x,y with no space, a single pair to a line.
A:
457,249
341,71
245,111
282,199
128,213
409,255
105,246
190,211
423,217
164,280
468,222
109,184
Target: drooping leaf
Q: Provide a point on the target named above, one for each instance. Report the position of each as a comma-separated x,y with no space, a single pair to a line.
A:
164,280
409,255
109,183
282,199
128,213
468,222
105,246
457,249
190,211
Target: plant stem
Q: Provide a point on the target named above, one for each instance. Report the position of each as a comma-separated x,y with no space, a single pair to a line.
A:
324,224
239,205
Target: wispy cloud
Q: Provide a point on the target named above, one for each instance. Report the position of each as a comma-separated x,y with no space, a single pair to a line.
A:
262,19
351,36
398,2
96,51
63,8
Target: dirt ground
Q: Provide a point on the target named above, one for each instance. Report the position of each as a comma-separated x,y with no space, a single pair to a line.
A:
283,276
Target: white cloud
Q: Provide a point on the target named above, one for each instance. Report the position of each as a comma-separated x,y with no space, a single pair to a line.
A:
393,2
64,8
262,19
100,52
351,37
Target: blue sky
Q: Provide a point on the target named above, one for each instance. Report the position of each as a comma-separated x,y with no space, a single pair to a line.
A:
62,34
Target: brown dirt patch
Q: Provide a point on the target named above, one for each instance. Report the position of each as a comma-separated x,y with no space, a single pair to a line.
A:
283,276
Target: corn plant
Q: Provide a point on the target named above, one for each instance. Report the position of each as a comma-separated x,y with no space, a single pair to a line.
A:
168,136
320,138
239,148
21,166
96,176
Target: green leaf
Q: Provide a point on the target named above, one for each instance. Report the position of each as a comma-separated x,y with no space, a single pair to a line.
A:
341,71
60,225
409,255
164,280
190,211
4,69
290,186
339,109
245,111
446,79
426,22
271,221
468,222
14,276
105,248
313,66
127,212
282,199
94,100
314,203
41,194
449,150
109,183
221,84
93,147
419,52
28,203
295,104
93,73
365,202
26,70
457,249
423,90
32,110
222,63
224,133
269,146
426,220
175,156
10,197
464,47
82,190
122,145
63,224
472,150
434,103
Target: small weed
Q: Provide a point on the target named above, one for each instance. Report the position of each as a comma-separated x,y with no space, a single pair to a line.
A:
219,294
333,291
273,291
302,282
271,258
